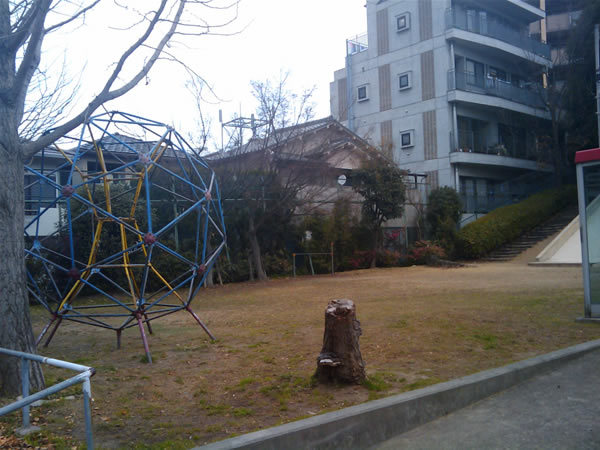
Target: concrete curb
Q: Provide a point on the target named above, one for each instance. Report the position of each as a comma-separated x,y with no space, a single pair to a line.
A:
367,424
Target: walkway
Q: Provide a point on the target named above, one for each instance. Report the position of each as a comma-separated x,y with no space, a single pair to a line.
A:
557,410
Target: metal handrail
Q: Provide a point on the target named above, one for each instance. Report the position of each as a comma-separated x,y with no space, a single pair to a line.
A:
84,375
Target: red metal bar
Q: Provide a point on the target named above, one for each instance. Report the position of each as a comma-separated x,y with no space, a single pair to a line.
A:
147,323
56,325
138,316
45,330
188,309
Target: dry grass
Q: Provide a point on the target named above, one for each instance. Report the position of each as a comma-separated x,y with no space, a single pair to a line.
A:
420,326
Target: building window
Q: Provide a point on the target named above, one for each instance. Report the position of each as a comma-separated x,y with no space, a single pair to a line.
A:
407,139
403,22
363,93
404,80
474,73
39,193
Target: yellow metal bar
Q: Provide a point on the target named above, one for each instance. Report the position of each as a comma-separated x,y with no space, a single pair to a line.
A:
106,181
85,275
165,282
132,287
137,193
79,171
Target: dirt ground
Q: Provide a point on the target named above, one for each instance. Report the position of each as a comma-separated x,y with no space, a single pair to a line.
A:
420,325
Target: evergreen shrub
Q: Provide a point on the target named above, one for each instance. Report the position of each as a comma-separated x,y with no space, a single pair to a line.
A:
508,222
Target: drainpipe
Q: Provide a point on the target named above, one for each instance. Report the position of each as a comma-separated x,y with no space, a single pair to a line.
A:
349,89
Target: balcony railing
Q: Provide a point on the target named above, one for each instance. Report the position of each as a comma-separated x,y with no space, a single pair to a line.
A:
533,95
477,142
486,25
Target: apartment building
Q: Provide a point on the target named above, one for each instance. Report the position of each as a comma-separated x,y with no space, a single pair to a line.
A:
453,89
561,16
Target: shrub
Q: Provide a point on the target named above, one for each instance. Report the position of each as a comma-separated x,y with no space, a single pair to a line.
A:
423,252
443,212
361,259
507,223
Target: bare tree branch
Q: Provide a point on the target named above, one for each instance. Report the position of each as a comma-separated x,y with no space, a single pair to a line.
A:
72,18
106,94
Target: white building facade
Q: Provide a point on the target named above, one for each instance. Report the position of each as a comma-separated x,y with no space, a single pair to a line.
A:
452,89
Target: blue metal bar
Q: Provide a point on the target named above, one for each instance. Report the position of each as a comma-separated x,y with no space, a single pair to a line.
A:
145,274
97,323
218,192
46,392
25,389
206,237
179,218
198,223
175,254
114,299
71,244
148,204
106,213
169,293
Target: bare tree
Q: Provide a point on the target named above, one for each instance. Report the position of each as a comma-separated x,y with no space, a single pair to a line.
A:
24,25
289,164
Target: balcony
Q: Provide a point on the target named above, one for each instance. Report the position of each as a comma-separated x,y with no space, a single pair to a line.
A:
532,95
476,142
479,22
357,44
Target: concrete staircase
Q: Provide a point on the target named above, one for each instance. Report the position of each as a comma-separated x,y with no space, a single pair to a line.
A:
551,227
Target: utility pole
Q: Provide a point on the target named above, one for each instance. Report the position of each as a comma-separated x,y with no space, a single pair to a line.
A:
597,50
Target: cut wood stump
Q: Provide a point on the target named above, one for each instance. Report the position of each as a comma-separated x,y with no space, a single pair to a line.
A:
340,359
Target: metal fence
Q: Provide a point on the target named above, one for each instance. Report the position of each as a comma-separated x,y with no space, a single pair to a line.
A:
533,96
84,375
487,25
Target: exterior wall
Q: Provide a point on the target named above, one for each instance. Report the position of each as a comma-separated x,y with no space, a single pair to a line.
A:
428,52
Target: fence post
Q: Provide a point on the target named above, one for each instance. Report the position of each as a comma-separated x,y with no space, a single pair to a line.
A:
294,264
87,410
332,267
25,390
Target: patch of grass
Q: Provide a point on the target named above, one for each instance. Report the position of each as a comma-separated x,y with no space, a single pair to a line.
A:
214,410
241,386
258,344
45,438
144,359
215,428
242,412
179,380
379,381
424,382
399,324
489,341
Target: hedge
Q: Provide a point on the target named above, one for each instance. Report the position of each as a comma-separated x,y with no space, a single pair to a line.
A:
509,222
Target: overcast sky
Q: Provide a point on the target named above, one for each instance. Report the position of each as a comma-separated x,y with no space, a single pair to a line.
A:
305,38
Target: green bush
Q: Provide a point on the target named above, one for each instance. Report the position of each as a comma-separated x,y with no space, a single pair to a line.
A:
507,223
443,212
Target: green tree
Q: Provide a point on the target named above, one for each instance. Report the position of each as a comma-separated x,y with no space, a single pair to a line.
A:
580,99
443,213
383,191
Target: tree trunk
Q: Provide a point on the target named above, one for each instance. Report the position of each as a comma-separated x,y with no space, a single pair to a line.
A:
255,250
340,359
557,151
15,323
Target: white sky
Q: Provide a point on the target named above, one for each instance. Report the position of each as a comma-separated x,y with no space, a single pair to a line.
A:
306,38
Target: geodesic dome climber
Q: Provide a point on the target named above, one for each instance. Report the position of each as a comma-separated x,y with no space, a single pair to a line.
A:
123,224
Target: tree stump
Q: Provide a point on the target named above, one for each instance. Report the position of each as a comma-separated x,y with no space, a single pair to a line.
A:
340,359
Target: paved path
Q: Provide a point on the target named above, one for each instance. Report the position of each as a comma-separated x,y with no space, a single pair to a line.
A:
557,410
